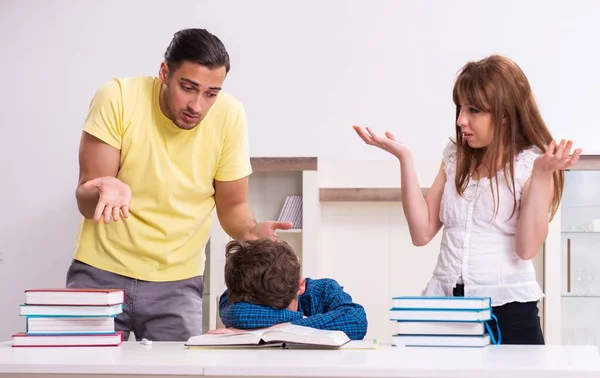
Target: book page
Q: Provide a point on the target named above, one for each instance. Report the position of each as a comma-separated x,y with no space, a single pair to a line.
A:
306,335
352,344
233,337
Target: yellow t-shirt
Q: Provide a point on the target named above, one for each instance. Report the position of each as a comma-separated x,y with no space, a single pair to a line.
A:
170,172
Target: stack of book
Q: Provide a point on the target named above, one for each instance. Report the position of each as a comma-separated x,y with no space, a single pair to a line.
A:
70,317
292,211
441,321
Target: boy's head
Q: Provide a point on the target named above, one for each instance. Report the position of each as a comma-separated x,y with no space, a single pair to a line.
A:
264,272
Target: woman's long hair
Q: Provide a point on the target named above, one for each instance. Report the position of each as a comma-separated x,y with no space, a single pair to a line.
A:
498,86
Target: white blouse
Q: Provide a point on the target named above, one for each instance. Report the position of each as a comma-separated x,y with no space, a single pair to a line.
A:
480,251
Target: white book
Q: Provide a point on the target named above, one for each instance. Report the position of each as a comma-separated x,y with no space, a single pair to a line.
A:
297,212
283,212
283,336
441,315
82,296
423,302
30,310
441,341
291,211
62,325
440,328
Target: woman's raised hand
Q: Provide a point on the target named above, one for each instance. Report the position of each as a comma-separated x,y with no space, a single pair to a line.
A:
387,143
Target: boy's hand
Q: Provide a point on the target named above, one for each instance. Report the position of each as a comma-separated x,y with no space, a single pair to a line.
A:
267,230
225,331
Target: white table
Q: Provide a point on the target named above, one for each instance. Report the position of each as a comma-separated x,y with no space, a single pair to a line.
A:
173,360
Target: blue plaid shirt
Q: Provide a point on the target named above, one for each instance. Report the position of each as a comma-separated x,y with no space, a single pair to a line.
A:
324,305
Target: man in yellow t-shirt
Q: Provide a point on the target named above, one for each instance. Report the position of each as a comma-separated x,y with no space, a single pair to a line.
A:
157,155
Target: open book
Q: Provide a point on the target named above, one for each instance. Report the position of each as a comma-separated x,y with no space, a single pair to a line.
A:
288,336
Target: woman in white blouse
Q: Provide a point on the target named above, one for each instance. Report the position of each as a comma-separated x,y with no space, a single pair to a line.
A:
499,185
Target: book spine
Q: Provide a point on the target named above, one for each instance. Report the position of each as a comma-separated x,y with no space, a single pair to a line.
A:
292,211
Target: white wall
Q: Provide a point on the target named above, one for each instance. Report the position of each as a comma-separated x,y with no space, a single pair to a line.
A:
306,71
366,246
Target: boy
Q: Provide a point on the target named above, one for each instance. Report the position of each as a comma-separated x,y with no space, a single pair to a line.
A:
265,288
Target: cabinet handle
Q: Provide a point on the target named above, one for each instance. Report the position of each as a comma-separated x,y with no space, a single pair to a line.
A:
568,265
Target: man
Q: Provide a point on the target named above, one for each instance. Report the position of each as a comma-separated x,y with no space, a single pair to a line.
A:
157,155
265,289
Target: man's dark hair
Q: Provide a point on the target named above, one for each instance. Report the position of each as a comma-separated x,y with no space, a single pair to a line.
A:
197,46
264,272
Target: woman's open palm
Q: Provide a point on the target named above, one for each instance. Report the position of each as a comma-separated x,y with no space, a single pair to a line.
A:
387,143
557,157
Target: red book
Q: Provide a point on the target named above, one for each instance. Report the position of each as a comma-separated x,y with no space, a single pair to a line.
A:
22,339
74,297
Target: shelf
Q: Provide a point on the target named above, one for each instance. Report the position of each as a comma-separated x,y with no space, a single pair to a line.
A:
573,295
587,163
362,194
283,164
292,231
580,232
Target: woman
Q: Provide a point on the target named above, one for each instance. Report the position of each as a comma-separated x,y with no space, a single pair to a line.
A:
499,185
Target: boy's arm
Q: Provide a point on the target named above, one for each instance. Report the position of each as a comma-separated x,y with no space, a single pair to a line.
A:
243,315
340,313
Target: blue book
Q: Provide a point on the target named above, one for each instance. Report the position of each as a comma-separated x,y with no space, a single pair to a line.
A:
441,340
70,311
441,309
443,315
443,321
439,328
439,303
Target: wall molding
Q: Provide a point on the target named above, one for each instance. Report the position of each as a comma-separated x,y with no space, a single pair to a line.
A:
284,164
362,194
587,163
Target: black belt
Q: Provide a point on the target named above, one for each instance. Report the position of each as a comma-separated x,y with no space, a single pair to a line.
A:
459,290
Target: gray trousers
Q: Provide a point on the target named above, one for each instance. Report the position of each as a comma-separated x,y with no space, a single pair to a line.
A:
157,311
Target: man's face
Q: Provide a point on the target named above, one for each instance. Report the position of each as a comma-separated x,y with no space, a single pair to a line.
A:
189,92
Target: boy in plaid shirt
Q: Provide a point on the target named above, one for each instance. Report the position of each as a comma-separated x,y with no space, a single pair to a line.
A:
265,289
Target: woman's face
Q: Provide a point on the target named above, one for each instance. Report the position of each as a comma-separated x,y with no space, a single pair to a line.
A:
476,126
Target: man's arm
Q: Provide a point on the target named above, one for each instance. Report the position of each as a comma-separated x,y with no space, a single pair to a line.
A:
243,315
233,209
232,175
236,215
231,183
340,313
99,148
96,159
